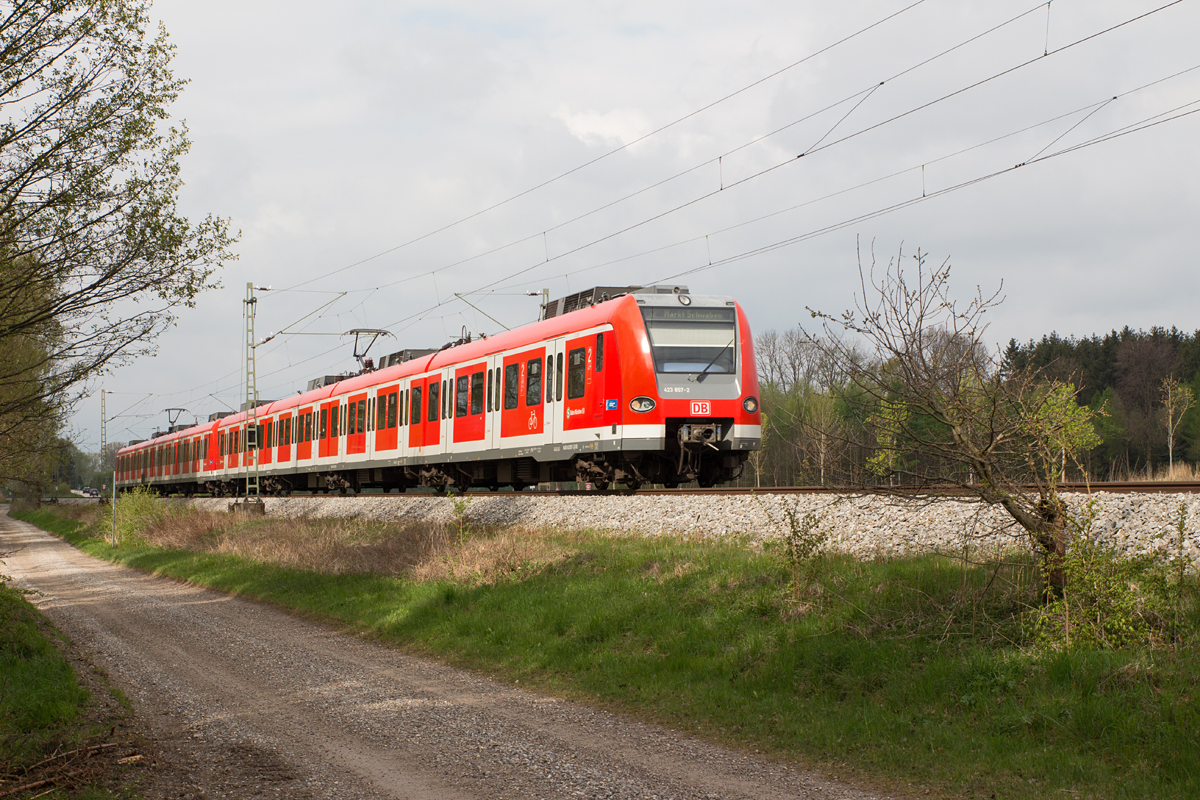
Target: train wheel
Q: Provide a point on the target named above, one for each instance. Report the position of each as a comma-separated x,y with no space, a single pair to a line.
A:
633,485
601,485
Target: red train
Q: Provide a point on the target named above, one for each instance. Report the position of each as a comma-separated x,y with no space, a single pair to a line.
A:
652,386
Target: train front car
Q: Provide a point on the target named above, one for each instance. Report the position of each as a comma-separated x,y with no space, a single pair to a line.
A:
690,390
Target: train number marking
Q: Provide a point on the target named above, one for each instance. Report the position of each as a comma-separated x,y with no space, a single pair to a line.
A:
701,408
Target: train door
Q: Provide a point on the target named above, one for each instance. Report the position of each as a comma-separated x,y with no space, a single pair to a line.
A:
434,398
580,385
555,408
327,444
523,383
387,418
467,407
416,413
356,425
266,453
283,437
303,433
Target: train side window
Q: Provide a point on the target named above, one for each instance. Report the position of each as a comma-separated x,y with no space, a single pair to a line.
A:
499,384
576,373
489,391
324,423
533,382
415,416
389,416
512,385
558,371
599,351
404,406
362,416
477,393
462,396
381,405
434,401
549,378
350,423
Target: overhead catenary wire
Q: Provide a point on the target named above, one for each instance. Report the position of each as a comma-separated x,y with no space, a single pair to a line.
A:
860,95
819,148
1034,159
616,150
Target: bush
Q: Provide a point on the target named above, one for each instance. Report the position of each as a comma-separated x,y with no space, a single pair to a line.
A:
1110,601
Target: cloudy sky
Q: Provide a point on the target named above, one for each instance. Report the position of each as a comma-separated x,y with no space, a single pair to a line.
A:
381,159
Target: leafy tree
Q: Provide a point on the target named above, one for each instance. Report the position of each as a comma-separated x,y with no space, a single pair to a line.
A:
95,261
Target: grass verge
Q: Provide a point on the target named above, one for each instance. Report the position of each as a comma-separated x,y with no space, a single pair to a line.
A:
56,739
913,674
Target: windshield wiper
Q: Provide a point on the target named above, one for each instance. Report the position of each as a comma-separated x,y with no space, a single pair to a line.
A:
704,372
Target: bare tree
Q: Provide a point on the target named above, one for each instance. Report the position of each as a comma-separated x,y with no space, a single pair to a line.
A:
939,408
1176,400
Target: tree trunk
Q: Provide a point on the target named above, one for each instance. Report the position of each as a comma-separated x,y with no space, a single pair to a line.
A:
1053,539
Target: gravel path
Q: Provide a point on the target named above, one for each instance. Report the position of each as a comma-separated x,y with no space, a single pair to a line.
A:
247,701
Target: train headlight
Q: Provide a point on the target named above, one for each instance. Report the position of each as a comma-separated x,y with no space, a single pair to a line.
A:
642,404
750,404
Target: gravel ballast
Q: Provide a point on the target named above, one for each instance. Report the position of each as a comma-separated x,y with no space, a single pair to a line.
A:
863,526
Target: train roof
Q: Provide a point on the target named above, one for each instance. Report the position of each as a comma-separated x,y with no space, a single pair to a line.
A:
553,327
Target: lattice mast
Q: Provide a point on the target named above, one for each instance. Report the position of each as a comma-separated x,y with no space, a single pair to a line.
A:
250,434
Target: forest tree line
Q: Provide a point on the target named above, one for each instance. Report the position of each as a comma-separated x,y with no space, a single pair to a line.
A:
812,437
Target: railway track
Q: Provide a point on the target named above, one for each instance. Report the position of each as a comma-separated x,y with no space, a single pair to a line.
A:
1117,487
1112,487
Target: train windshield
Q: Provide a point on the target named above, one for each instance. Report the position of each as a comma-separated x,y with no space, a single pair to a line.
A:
692,339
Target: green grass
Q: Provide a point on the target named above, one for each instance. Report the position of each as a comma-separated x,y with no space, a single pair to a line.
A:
907,674
40,699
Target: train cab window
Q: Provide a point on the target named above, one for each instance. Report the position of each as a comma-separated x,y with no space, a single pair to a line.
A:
692,339
489,391
533,382
599,351
558,375
512,385
462,396
576,373
549,378
477,393
434,402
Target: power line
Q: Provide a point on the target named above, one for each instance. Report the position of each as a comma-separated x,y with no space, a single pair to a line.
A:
614,151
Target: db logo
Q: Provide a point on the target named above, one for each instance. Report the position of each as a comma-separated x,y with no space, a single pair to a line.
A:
700,408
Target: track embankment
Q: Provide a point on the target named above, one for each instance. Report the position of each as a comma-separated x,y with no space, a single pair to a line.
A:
864,526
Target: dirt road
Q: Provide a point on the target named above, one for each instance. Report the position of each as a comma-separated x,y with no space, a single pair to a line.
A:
247,701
